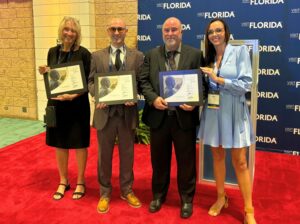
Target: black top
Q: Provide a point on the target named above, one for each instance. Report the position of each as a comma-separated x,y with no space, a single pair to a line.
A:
73,117
155,62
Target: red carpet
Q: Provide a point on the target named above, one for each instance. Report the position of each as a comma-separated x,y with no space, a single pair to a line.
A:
29,177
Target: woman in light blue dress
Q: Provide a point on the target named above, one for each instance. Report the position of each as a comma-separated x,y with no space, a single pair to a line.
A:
225,121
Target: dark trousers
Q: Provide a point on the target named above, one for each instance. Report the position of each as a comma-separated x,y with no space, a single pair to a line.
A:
161,153
116,127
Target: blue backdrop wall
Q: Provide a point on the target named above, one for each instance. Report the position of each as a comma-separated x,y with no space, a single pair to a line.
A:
275,23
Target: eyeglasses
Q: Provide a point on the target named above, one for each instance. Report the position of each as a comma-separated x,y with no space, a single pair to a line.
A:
217,31
114,29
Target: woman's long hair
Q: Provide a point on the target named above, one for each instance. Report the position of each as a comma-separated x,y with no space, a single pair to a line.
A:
210,51
77,29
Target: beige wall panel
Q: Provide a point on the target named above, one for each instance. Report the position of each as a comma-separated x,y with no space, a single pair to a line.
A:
16,44
45,42
24,53
50,10
132,31
21,101
5,63
24,62
19,4
19,83
27,73
5,82
3,23
69,9
29,43
8,100
13,72
117,8
40,55
3,44
42,94
2,92
9,53
46,31
24,12
45,2
31,112
16,22
100,9
3,5
24,33
12,91
101,32
84,8
84,20
8,13
8,33
6,111
44,20
40,84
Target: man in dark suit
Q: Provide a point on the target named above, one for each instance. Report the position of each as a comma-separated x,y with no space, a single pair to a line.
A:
117,120
169,125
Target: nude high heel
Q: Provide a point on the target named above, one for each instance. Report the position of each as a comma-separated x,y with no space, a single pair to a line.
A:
249,210
215,209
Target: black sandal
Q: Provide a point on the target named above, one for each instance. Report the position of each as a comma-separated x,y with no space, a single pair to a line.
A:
80,194
67,187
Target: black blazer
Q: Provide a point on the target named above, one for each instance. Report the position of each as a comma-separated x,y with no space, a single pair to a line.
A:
154,62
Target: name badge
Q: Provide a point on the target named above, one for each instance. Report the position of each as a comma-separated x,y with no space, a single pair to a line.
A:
213,101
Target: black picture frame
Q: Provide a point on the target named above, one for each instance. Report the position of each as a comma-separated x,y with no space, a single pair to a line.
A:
65,78
114,88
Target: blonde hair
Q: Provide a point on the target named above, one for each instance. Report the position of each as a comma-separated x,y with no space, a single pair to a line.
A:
77,29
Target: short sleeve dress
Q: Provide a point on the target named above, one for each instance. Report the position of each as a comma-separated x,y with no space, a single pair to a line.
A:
73,117
230,125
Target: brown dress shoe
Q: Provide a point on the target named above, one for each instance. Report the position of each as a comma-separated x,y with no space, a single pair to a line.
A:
132,200
103,204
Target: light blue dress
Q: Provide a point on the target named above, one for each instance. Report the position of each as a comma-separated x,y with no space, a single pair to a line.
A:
230,125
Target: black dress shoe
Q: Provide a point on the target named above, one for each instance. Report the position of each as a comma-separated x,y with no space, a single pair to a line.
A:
155,205
186,210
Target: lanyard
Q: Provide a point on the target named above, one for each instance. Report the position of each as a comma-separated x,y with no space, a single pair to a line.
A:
60,59
219,68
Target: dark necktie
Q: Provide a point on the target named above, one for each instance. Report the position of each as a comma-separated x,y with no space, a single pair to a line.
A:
118,62
171,59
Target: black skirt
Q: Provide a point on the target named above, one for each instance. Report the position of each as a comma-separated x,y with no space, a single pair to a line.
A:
73,124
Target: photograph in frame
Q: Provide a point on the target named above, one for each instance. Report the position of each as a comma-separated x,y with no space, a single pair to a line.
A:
115,87
179,87
65,78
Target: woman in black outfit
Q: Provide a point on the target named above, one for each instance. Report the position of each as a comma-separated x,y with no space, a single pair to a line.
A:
72,110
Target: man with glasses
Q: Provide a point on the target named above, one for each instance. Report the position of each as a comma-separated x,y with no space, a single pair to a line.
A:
115,120
170,125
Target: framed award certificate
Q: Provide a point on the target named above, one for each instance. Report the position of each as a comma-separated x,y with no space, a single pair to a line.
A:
183,86
115,87
65,78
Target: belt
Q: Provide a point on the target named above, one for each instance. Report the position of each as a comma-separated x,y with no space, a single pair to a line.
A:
171,112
